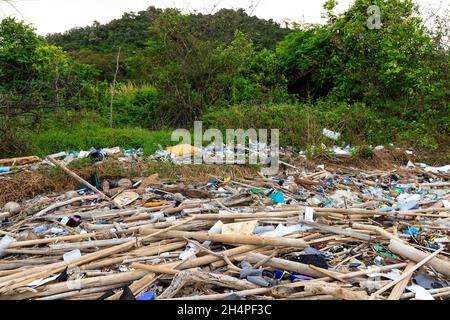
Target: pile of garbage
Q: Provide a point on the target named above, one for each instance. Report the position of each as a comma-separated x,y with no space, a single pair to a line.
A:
323,234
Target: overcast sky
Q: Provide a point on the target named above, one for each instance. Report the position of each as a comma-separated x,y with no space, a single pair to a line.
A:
49,16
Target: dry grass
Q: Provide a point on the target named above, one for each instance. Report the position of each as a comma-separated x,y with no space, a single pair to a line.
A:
26,185
385,160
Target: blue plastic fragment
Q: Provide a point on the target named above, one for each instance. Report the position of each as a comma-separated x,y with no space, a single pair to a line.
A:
147,296
41,229
278,198
294,277
412,231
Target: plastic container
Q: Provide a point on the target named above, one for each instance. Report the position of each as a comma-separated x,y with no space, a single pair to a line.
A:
72,255
5,242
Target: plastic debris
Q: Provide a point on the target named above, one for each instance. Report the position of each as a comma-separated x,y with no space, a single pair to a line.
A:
230,233
331,134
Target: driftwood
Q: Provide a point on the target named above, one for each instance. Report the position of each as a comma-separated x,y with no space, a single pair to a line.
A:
22,278
195,248
379,230
19,161
90,244
400,287
410,253
282,264
336,230
78,178
231,239
336,291
137,287
29,243
407,274
93,282
154,269
62,204
184,278
69,294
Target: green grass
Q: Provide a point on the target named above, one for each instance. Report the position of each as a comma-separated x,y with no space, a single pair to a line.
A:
301,125
89,135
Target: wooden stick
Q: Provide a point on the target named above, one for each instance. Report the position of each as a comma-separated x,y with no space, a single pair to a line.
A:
336,291
57,288
379,230
407,273
29,243
189,276
336,230
282,264
205,260
20,161
327,273
62,204
400,287
22,278
410,253
78,178
435,184
137,286
256,215
90,244
263,262
182,207
232,239
79,292
154,268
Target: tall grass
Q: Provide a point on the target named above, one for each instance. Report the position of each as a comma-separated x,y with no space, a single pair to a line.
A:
90,135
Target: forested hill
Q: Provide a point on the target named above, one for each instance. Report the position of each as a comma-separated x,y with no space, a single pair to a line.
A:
98,44
375,85
134,30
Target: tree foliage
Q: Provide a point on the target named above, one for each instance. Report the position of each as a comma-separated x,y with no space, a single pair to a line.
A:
35,75
174,68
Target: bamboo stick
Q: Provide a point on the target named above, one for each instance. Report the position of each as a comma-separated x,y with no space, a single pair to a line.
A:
154,268
410,253
400,287
63,203
379,230
232,239
20,161
407,273
29,243
79,292
78,178
90,244
22,278
137,286
336,230
57,288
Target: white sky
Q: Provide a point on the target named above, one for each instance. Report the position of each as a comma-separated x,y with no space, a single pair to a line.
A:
49,16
